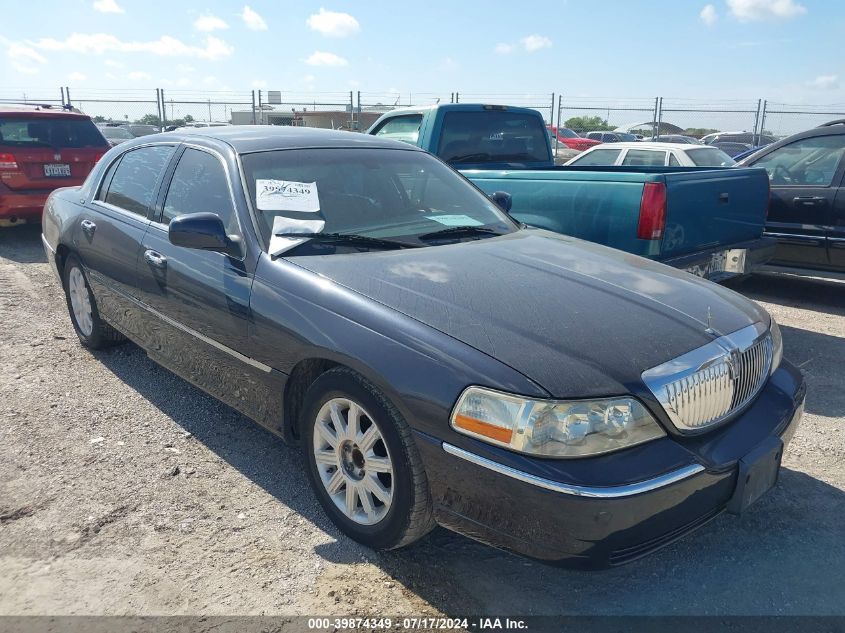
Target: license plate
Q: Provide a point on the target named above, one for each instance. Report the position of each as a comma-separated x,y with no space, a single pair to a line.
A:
758,473
717,264
57,170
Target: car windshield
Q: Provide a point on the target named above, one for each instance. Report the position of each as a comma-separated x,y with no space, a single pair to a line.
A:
625,137
380,193
115,132
49,132
710,157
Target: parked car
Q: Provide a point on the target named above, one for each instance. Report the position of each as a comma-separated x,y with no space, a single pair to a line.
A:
579,405
141,129
676,138
654,154
749,138
611,137
42,148
807,210
730,148
703,220
571,139
115,135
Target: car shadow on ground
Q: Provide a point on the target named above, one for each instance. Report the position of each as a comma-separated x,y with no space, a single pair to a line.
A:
22,244
820,357
780,558
808,293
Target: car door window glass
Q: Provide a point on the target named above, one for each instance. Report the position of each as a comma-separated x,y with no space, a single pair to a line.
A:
598,157
104,186
645,157
808,161
673,162
402,128
136,178
200,184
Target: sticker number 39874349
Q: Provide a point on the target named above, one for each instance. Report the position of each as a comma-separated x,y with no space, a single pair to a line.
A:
286,195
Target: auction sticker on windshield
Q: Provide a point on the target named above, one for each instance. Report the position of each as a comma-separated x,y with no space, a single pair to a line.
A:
455,220
286,195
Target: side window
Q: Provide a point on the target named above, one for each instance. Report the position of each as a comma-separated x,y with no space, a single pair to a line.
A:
673,162
402,128
200,184
135,182
598,157
104,186
808,161
645,158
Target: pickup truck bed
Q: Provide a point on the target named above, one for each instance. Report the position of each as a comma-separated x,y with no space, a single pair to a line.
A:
708,211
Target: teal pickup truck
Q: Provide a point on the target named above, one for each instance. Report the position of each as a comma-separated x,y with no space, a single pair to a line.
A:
708,221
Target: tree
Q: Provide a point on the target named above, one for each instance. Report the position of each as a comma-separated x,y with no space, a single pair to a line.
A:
150,119
587,124
189,118
100,119
698,132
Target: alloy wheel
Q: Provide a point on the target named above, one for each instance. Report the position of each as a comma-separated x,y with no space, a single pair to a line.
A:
80,302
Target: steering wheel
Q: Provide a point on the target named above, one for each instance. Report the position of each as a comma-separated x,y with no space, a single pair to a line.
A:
781,174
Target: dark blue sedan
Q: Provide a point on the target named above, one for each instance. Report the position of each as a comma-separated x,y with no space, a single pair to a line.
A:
436,361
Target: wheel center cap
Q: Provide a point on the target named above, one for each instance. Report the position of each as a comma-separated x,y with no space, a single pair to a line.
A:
352,459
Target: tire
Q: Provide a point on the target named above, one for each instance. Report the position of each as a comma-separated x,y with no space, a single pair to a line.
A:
93,331
406,515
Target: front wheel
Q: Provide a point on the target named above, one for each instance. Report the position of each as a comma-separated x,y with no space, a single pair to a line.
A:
362,462
92,331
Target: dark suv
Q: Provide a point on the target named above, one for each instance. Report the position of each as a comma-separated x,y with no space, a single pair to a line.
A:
807,209
42,148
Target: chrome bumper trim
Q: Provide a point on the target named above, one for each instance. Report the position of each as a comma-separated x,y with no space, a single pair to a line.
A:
609,492
47,244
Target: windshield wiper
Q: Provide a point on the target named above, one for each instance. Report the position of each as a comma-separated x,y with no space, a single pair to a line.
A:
458,231
353,239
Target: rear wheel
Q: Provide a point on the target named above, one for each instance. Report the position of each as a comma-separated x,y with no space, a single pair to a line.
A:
92,331
363,463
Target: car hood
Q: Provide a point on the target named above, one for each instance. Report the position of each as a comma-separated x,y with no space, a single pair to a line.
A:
577,318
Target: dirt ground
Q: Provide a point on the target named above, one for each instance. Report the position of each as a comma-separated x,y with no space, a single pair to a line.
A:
125,490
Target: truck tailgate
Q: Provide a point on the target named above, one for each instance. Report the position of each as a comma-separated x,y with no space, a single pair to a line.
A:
710,208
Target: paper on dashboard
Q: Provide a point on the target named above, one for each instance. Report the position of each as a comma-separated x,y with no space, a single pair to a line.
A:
281,224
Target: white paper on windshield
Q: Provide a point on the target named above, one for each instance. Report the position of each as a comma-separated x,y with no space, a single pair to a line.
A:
281,224
286,195
455,220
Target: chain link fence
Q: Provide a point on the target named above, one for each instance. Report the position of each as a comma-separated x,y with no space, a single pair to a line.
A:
357,110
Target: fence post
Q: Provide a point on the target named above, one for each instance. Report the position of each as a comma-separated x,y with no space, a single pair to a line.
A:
62,88
654,119
763,118
253,107
659,116
552,111
756,136
67,95
359,107
351,110
260,111
457,97
559,108
163,108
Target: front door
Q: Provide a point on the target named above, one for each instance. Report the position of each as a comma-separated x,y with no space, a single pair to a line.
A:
804,178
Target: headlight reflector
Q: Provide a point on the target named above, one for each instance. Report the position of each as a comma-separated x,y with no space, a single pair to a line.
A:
548,428
777,344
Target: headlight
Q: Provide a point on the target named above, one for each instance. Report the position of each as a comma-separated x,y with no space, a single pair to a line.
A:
549,428
777,344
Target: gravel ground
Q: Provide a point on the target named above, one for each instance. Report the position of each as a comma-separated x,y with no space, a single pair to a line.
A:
125,490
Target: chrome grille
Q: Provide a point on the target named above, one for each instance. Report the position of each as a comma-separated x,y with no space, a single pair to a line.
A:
705,387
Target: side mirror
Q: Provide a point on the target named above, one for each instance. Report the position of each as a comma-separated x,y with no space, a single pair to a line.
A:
503,200
203,231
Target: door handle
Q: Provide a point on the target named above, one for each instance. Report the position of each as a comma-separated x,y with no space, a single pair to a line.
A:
155,259
724,198
88,227
809,201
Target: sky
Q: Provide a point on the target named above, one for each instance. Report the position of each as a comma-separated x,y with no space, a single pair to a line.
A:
782,50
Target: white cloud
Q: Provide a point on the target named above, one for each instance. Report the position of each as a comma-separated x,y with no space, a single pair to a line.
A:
76,76
252,20
165,46
708,15
824,82
209,23
23,59
259,83
749,10
108,6
138,75
333,24
321,58
535,42
504,49
111,63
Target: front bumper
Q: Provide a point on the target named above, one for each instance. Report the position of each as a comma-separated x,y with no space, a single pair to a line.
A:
737,259
532,510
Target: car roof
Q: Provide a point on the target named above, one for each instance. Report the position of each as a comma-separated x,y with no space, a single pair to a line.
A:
649,145
245,139
827,130
39,108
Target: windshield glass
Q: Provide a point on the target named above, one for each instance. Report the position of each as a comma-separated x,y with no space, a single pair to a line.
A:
492,136
381,193
115,132
50,132
710,157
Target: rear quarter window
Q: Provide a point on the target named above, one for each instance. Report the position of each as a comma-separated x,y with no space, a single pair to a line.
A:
597,157
710,157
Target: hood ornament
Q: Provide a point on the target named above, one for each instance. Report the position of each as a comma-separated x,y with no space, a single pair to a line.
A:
709,329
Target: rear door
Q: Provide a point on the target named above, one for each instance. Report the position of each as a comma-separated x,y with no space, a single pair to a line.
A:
110,229
50,150
804,176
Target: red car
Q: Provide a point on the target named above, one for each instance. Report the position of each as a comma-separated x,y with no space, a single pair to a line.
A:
42,148
571,139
